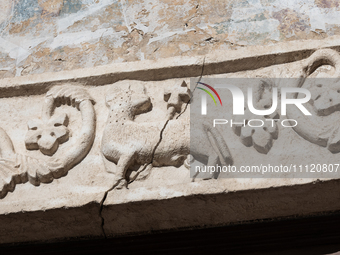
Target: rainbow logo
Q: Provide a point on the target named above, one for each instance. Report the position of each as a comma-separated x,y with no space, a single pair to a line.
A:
209,93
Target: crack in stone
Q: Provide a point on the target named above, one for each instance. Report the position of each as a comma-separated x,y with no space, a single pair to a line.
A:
192,93
116,184
196,14
100,213
101,206
152,155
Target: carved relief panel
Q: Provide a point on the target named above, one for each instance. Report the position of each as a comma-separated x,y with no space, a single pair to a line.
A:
145,125
121,135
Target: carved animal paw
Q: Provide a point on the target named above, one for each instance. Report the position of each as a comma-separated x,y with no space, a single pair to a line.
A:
47,136
121,184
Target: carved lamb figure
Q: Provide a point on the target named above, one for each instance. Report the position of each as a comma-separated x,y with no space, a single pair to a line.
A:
132,145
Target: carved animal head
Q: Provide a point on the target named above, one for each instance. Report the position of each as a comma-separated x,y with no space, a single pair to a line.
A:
131,97
177,96
47,136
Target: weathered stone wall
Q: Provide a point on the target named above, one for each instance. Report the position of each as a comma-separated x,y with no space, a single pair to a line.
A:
39,36
103,151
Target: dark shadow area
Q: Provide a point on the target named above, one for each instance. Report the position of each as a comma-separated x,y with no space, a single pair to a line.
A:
316,235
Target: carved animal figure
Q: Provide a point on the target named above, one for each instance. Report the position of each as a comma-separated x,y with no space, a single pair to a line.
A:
129,144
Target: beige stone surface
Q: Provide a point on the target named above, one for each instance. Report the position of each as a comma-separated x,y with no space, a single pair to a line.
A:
66,174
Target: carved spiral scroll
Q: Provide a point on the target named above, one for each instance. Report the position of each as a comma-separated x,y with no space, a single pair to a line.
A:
16,168
320,58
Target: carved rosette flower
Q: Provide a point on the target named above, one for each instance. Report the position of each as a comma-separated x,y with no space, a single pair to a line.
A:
258,131
46,136
261,138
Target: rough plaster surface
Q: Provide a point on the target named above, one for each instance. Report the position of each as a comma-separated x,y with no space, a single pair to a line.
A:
68,192
38,36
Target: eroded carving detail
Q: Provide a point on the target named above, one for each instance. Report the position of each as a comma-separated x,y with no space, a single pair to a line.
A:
323,128
46,135
138,146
